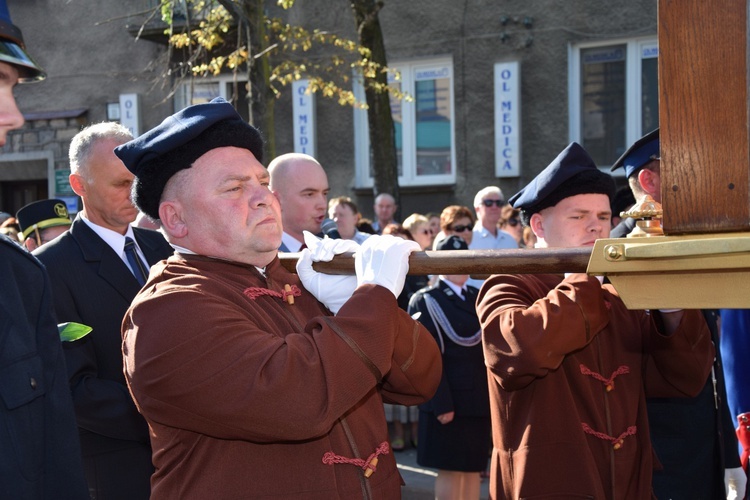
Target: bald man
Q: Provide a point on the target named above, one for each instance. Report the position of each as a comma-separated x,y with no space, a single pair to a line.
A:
301,185
385,208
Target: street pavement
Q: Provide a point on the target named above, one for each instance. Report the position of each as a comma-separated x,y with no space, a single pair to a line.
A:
420,481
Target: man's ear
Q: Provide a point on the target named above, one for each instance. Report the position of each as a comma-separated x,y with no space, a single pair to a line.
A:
170,214
536,224
30,243
647,181
78,184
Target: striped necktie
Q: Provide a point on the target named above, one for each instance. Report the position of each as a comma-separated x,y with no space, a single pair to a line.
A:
136,264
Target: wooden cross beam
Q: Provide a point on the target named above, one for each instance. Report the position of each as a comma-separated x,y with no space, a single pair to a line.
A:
703,110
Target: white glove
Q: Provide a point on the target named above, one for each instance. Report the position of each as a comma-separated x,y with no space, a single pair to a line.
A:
384,260
330,289
735,482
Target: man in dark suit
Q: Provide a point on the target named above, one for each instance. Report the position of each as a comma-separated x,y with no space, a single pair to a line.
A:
40,455
96,269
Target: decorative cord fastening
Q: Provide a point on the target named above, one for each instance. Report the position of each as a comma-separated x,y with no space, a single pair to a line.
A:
609,383
369,466
617,442
290,291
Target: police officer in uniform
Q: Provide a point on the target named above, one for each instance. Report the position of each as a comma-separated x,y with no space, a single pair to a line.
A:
42,221
40,457
454,426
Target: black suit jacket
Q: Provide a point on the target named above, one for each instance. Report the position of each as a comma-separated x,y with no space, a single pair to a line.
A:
92,285
40,457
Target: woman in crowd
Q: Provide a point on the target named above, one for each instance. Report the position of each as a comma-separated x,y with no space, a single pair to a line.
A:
345,214
456,220
419,227
510,222
454,426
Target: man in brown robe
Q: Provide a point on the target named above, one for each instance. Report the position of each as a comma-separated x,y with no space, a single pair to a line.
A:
251,387
570,366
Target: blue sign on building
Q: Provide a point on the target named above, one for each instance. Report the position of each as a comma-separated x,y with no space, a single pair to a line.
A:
303,107
508,119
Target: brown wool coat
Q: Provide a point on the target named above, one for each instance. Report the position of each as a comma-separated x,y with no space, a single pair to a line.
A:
245,396
552,345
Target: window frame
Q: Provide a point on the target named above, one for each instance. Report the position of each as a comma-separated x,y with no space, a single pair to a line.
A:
634,54
181,100
409,176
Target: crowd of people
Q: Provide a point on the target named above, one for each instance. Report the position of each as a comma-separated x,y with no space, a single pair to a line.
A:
212,371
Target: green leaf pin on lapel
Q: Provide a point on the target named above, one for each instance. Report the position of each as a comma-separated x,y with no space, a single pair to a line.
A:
72,331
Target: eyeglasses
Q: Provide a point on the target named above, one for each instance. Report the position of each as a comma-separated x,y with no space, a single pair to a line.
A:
513,222
461,229
489,203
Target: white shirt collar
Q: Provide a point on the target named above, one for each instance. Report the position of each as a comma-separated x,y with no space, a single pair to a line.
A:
292,243
115,240
459,290
183,250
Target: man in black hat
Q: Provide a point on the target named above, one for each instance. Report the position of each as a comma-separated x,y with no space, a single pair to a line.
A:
694,438
42,221
570,365
40,457
250,385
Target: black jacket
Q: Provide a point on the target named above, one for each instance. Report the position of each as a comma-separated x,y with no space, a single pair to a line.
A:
40,457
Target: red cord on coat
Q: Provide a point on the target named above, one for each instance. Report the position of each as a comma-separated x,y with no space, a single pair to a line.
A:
369,465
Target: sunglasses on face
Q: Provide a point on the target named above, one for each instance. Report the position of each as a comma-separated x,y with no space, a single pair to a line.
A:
461,229
489,203
513,222
426,231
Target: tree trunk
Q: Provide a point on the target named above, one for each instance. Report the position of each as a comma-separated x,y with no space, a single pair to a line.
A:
379,118
250,18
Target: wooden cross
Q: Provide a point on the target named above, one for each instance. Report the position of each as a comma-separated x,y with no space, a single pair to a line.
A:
703,111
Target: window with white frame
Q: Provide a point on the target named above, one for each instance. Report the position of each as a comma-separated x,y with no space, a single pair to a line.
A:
425,138
202,90
614,97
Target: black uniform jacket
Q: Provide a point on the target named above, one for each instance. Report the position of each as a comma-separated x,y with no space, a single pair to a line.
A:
40,457
463,388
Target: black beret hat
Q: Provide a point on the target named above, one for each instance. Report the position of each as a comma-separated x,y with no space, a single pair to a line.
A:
452,242
573,172
155,156
42,214
640,153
